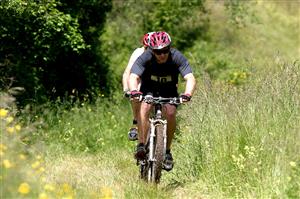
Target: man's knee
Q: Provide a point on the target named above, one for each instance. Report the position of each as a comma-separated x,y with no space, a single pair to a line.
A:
145,110
170,112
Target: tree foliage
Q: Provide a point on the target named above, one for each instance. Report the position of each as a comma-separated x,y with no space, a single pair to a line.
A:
48,48
183,19
58,47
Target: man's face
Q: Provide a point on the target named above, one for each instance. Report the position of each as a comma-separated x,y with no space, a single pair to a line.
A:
161,55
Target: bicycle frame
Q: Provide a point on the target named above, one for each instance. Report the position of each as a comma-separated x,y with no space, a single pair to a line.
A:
151,167
157,119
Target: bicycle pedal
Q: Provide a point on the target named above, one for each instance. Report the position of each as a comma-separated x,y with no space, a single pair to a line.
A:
167,167
141,162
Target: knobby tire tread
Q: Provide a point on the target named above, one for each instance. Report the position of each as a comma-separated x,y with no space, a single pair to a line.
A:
159,153
145,168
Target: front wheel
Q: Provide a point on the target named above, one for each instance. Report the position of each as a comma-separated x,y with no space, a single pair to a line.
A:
150,171
158,153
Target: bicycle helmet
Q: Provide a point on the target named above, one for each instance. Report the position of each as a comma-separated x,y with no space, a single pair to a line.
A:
146,38
159,40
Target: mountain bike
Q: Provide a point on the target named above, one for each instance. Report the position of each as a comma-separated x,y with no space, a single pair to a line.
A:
151,167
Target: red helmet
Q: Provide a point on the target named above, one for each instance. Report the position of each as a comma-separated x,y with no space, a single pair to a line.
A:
146,38
159,40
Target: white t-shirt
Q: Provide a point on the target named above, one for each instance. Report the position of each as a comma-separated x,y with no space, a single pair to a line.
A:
136,53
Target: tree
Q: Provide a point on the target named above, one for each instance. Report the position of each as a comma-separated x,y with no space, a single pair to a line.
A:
183,19
49,49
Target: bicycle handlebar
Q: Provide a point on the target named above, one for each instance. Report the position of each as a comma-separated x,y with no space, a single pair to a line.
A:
161,100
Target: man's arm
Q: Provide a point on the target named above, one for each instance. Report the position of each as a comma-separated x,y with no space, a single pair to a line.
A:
125,78
134,81
186,72
126,74
190,84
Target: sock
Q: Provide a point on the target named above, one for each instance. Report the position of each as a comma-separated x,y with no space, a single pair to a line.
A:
141,144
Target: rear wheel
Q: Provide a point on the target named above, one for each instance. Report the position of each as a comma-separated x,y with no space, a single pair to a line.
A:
144,165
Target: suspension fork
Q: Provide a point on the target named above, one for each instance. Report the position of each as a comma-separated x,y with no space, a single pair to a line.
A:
165,137
153,122
151,139
158,115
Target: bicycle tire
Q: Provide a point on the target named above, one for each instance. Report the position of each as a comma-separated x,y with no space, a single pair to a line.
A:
144,170
159,153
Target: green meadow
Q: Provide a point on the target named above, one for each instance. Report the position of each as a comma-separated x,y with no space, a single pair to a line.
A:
239,137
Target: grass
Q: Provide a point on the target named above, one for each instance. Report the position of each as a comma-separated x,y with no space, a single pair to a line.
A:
244,139
238,138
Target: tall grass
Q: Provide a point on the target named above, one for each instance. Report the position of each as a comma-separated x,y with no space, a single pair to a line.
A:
239,142
238,138
82,126
244,142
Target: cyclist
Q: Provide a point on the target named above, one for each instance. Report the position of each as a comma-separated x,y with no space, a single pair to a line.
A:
133,134
157,69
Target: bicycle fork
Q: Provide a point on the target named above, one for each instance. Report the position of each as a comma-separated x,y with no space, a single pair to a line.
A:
153,123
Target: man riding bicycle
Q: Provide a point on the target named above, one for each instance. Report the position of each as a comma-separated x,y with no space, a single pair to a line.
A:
157,70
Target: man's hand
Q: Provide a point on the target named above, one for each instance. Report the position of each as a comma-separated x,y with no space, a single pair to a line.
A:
126,93
185,97
135,94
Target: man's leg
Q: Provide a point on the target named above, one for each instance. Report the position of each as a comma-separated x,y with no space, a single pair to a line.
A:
133,132
143,129
170,115
135,110
144,120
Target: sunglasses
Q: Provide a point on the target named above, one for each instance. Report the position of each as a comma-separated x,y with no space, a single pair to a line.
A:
159,52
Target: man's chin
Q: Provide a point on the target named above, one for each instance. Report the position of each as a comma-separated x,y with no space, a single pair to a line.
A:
161,61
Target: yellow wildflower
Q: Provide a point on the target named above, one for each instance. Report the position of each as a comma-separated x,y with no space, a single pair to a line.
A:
3,147
7,164
66,188
293,164
22,157
3,112
10,129
41,170
49,187
9,119
35,165
106,193
43,196
232,81
259,2
18,127
1,153
243,75
24,188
